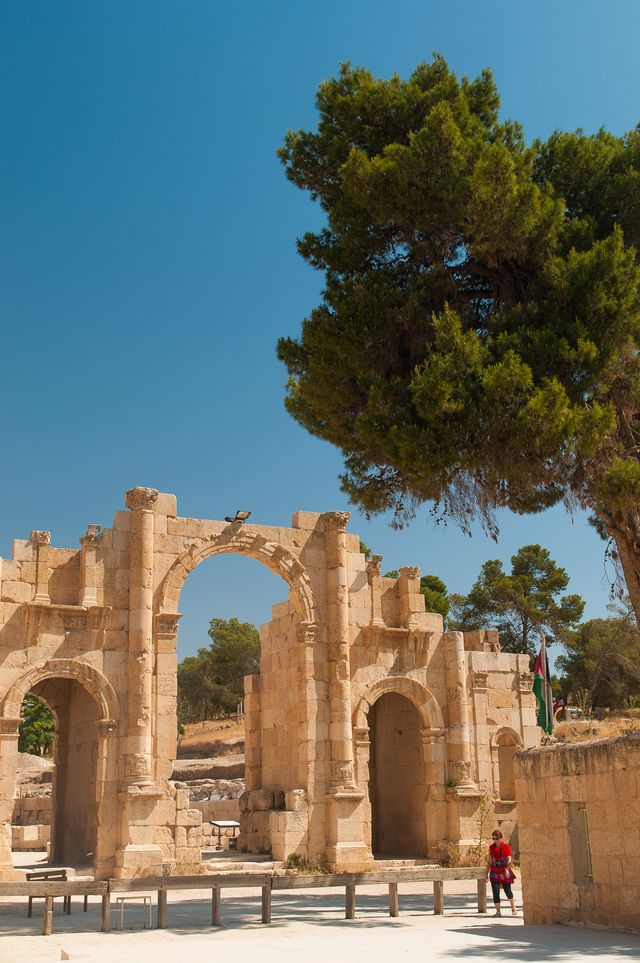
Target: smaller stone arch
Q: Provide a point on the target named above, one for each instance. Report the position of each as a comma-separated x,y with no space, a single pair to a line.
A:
275,557
418,694
503,732
503,745
92,679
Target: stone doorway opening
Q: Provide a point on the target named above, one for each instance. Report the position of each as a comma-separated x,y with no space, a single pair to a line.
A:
397,783
74,794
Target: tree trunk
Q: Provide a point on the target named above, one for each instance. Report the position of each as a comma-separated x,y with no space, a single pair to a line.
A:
625,531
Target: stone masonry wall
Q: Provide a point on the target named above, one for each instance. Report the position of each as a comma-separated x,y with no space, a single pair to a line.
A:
579,827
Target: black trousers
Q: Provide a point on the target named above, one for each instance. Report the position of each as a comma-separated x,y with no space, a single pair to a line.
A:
495,889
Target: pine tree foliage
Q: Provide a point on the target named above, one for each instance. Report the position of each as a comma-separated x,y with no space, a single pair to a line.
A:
520,604
476,344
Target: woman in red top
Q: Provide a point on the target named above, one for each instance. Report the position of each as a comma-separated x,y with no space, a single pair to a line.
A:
500,872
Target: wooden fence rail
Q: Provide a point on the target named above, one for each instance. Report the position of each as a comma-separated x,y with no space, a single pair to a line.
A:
266,882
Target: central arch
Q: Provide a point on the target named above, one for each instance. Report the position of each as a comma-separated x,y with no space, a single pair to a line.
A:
277,559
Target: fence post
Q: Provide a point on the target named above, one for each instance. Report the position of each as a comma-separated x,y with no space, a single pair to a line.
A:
438,897
215,906
266,901
393,899
350,901
47,918
106,913
482,895
162,909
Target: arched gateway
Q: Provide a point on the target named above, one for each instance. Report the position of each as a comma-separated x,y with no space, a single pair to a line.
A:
92,631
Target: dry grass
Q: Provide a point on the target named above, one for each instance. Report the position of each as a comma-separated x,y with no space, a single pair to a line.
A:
586,730
215,737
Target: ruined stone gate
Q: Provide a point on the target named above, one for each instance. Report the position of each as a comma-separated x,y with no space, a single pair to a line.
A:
369,730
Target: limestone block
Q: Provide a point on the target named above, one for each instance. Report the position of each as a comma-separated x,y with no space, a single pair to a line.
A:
188,817
296,800
260,799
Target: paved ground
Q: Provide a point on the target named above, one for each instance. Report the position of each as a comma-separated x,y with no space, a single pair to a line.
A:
309,926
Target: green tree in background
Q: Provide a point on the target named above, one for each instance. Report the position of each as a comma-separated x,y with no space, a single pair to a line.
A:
37,728
476,345
212,681
603,656
521,603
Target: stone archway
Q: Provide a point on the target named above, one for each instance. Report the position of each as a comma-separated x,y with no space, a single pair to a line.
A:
405,815
241,542
85,707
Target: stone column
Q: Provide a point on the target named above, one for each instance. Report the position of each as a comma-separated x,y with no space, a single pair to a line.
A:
139,741
458,737
88,589
373,576
345,847
8,766
42,541
341,774
411,599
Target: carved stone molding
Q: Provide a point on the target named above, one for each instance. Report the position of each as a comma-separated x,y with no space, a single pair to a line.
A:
361,736
480,680
9,726
40,538
454,695
335,521
141,499
431,737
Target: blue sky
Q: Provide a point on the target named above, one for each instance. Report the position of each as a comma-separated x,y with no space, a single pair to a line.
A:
147,242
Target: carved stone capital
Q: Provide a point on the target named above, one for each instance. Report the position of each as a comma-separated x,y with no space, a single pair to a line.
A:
307,633
166,624
335,521
341,773
141,499
40,538
106,727
479,680
460,771
431,737
361,735
374,566
410,571
92,536
137,766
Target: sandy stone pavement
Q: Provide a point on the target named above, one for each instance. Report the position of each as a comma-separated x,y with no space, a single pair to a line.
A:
310,926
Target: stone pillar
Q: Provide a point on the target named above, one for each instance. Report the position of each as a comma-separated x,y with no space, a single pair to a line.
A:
411,599
341,774
458,737
138,853
88,588
42,541
8,766
345,848
373,575
138,767
433,758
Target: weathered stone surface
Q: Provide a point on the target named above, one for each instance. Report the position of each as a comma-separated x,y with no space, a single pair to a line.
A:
362,699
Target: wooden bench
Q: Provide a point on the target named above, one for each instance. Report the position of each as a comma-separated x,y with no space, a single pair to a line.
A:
46,875
49,889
